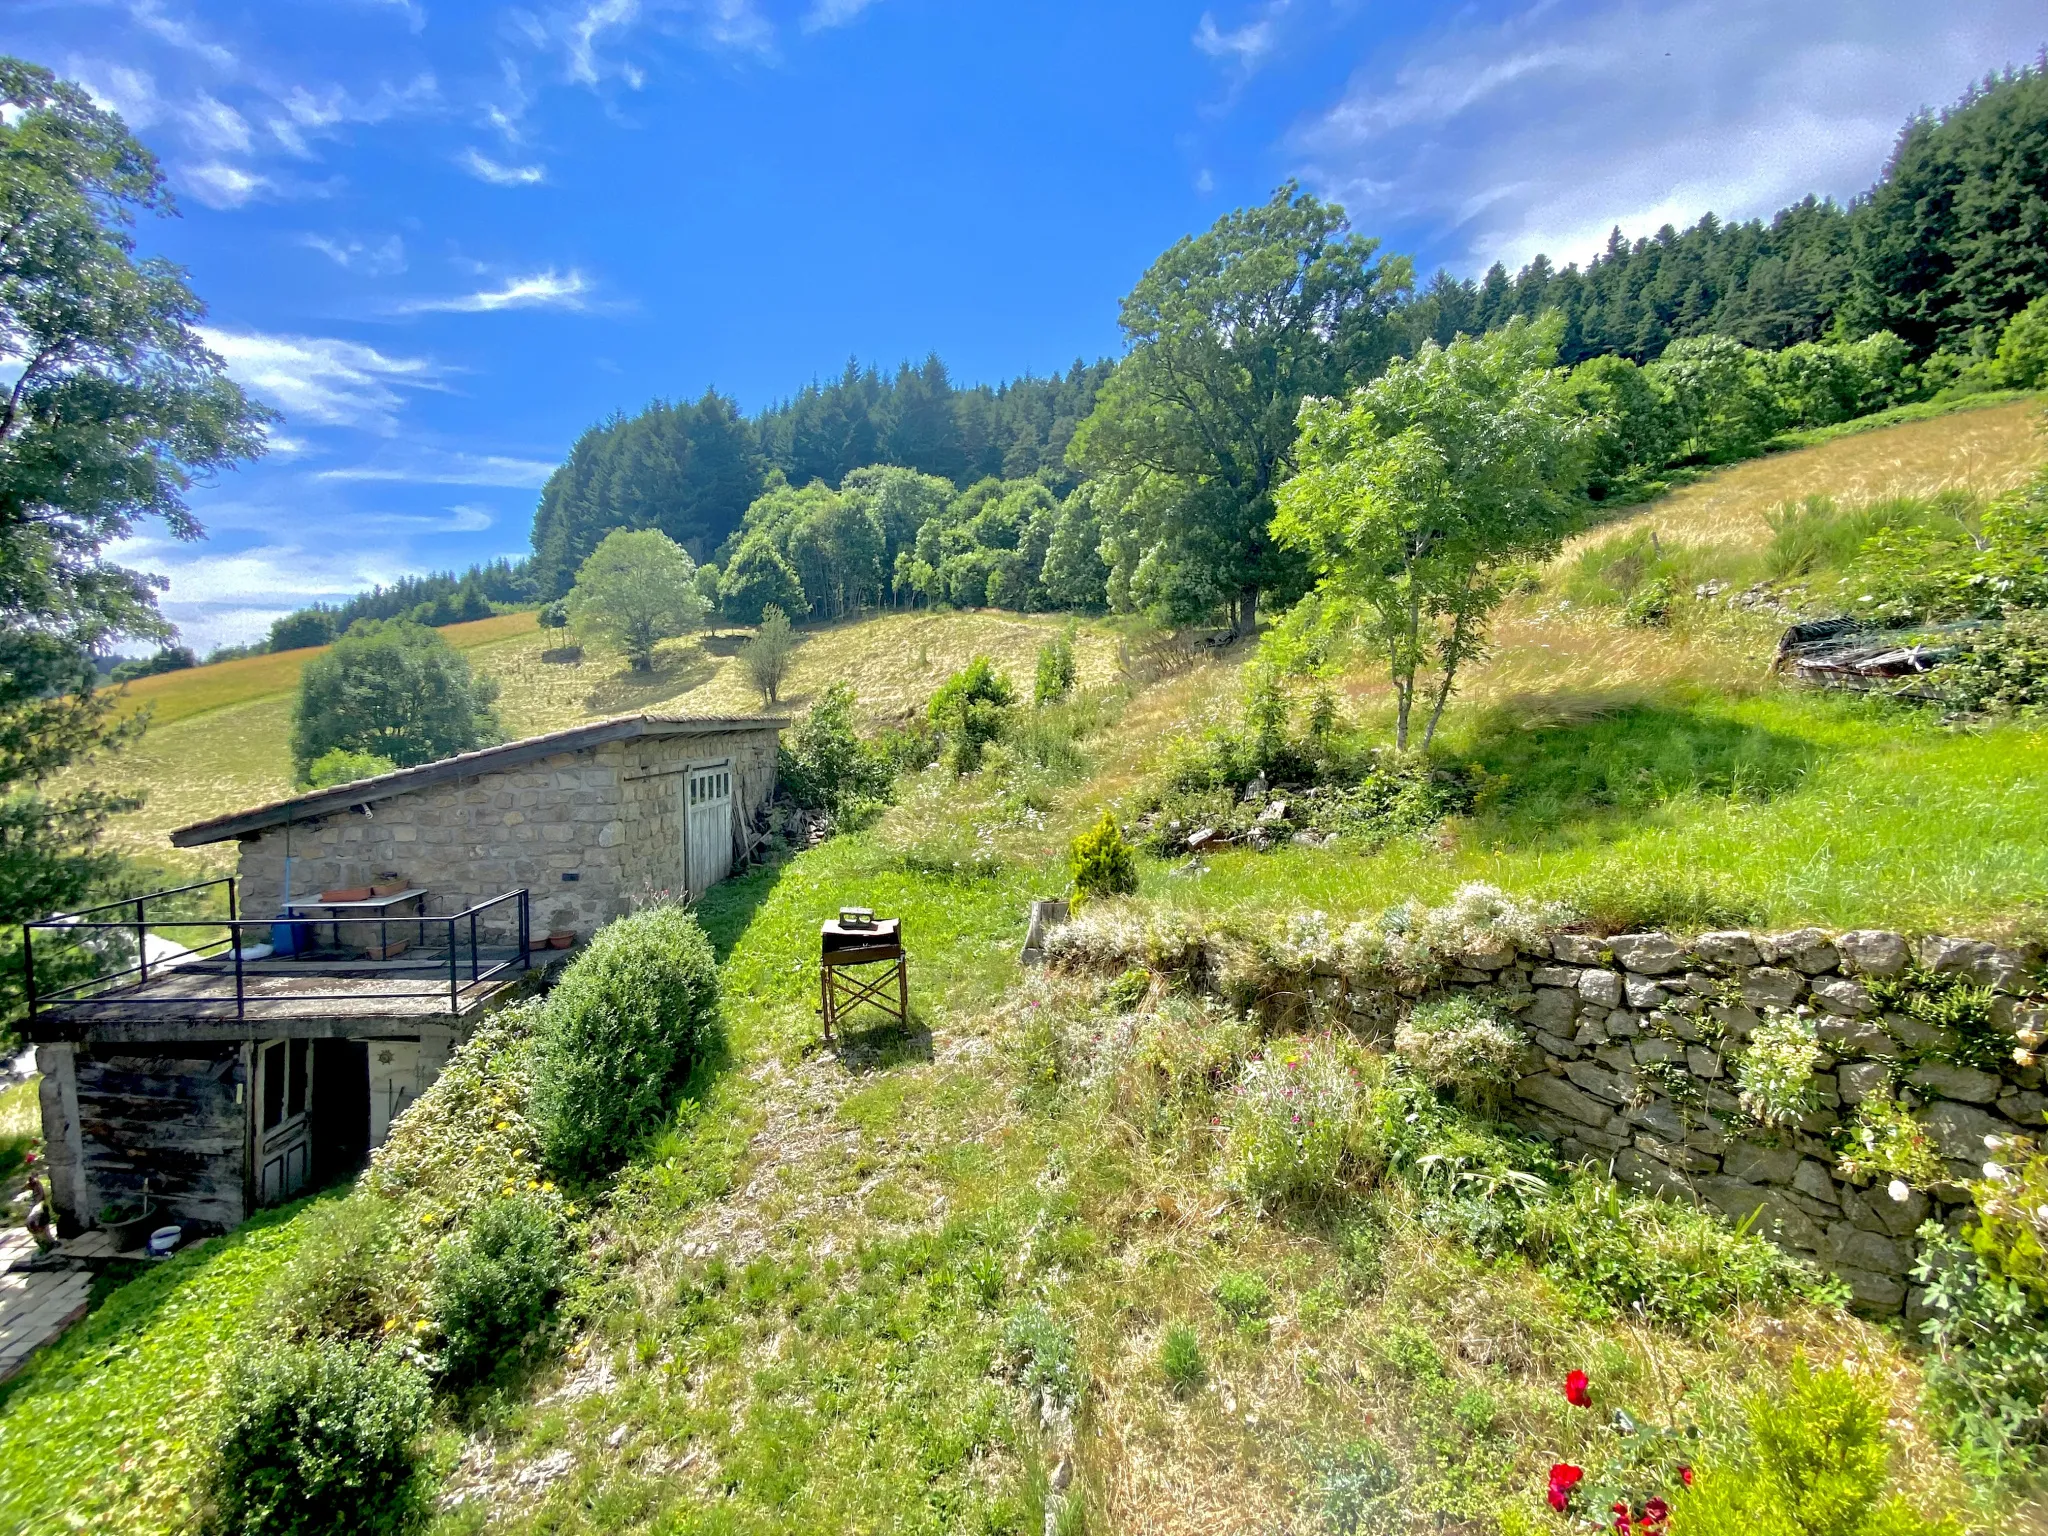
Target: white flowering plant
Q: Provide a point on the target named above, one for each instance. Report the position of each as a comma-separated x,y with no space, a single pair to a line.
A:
1774,1075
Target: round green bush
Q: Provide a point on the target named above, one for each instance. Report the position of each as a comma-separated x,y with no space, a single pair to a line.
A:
618,1036
496,1283
318,1438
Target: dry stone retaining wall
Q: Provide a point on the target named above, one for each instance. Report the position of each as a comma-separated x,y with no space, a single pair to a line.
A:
1632,1048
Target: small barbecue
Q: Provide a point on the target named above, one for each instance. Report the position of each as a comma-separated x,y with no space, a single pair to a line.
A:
854,940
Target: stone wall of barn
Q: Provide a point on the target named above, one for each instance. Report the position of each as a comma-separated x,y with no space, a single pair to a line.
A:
586,832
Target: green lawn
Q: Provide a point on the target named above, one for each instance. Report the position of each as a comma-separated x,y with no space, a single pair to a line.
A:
1781,808
103,1430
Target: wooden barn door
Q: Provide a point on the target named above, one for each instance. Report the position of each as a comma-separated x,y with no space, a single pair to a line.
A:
284,1136
707,826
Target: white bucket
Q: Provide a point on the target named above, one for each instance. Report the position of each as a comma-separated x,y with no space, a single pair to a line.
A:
164,1239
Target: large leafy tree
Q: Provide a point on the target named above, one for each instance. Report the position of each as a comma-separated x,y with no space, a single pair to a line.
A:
396,690
637,589
1228,331
1417,493
110,409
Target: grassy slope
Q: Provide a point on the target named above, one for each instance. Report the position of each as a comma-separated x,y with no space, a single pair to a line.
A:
810,1274
219,736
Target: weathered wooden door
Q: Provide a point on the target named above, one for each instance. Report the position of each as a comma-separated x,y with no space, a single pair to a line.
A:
707,823
284,1135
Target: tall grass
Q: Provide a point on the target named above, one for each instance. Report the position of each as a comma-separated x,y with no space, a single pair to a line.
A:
1818,533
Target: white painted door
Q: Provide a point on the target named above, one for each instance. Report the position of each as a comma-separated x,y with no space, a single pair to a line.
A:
707,826
284,1137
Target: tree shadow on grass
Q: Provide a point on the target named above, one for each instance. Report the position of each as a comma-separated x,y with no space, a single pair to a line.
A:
728,909
675,671
1553,764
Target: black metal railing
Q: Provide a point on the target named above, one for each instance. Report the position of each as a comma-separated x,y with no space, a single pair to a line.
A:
474,947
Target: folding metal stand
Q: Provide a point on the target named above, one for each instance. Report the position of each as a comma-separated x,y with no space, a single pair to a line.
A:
857,939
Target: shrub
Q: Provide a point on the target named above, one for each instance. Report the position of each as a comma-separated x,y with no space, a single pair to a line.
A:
1293,1122
496,1282
338,1284
316,1438
1650,605
1950,1002
1056,670
1180,1359
1774,1074
971,710
1884,1140
1100,862
2001,670
1460,1045
1922,574
394,689
339,765
1243,1298
1677,1263
1037,1353
825,766
1989,1375
618,1035
766,657
1818,1466
1357,1486
2022,360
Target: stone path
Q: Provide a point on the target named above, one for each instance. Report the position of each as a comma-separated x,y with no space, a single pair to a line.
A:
35,1305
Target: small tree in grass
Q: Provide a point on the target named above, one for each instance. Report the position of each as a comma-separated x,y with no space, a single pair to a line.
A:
970,708
1056,669
1101,862
637,589
1417,495
767,656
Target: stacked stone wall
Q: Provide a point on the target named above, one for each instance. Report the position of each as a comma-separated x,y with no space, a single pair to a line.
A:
1631,1058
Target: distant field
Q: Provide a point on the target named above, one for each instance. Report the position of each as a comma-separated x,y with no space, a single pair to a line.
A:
1990,451
173,696
218,737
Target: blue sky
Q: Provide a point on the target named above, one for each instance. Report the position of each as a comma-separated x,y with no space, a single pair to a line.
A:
444,236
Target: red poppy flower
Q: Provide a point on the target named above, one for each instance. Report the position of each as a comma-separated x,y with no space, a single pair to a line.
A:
1685,1476
1655,1513
1563,1478
1577,1390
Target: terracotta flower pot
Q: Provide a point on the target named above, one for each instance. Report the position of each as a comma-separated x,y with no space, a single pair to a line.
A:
349,893
562,938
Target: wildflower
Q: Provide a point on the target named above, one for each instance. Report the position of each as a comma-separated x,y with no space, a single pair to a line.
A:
1899,1190
1685,1476
1563,1478
1577,1390
1656,1512
1994,1170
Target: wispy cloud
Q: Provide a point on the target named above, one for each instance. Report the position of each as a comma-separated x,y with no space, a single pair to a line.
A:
1246,45
302,112
587,27
322,379
120,89
220,185
543,290
1503,135
477,469
212,124
833,13
383,259
155,19
415,15
484,168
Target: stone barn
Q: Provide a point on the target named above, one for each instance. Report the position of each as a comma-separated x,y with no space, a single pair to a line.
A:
230,1066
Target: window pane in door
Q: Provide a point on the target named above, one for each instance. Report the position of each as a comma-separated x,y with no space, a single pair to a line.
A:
273,1084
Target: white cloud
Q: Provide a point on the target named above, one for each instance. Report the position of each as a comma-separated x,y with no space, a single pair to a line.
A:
543,290
304,112
415,15
321,379
152,18
477,469
484,168
383,259
220,185
1245,46
597,18
833,13
213,125
1541,132
129,92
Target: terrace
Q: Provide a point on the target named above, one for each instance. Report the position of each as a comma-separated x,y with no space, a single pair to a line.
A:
170,962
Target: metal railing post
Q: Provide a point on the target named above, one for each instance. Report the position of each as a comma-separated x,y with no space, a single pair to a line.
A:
454,991
472,944
142,937
28,965
525,934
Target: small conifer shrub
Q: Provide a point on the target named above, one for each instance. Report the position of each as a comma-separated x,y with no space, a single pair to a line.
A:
1101,862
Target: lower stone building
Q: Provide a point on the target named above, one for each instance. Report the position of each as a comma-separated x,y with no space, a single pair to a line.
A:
223,1067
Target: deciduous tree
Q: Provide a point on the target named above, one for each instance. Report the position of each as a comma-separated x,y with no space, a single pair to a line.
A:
1417,492
395,690
1228,331
637,589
